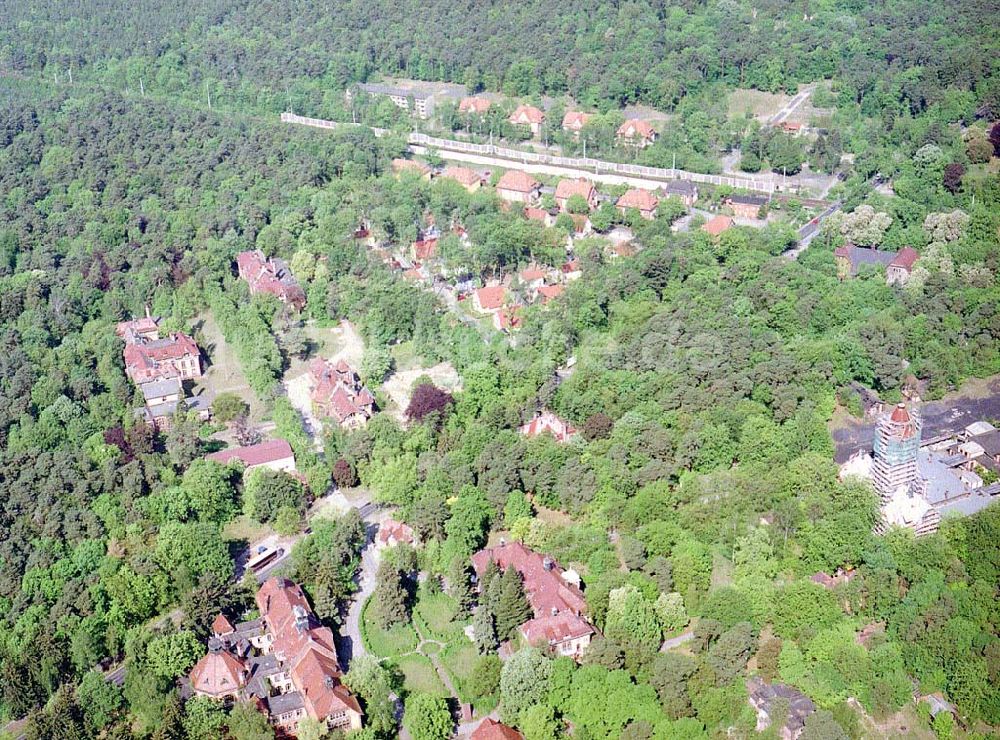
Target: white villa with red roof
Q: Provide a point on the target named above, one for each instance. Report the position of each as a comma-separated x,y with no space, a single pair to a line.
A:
554,595
642,200
271,276
517,187
545,422
489,299
296,673
566,189
337,392
636,132
529,116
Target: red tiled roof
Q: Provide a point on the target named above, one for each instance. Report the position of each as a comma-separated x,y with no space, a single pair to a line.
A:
636,128
555,628
571,266
905,259
517,181
510,318
526,114
463,175
548,423
490,729
569,188
717,225
425,249
390,529
529,274
575,120
271,276
474,105
900,415
492,297
550,292
547,592
638,198
222,626
259,454
843,251
536,214
625,249
218,673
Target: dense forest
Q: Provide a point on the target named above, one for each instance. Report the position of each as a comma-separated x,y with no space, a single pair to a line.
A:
705,370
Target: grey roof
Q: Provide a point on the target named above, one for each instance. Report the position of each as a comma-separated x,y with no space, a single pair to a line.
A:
157,388
800,706
252,627
750,200
865,256
942,482
264,665
953,461
990,442
683,187
285,702
378,88
198,403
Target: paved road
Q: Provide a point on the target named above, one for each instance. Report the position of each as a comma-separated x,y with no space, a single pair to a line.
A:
809,232
350,633
674,642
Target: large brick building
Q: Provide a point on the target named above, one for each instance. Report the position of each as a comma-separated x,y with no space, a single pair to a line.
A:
554,595
270,276
285,661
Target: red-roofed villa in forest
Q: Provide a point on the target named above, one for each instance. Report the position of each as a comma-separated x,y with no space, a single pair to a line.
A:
555,597
296,673
149,358
545,422
270,276
275,454
337,392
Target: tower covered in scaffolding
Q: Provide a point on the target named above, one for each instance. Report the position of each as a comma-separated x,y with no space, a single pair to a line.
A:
895,474
897,444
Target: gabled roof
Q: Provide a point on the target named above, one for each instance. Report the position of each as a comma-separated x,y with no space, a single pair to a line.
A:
544,586
258,454
491,297
425,249
550,292
717,225
638,198
536,214
568,188
681,187
575,120
636,128
222,626
526,114
399,165
552,629
474,105
529,274
490,729
462,175
748,200
390,529
905,258
218,673
519,182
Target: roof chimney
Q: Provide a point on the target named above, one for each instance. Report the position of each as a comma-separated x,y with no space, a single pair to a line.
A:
547,563
301,617
328,681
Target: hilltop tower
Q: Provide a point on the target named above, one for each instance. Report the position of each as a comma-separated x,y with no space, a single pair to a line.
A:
895,473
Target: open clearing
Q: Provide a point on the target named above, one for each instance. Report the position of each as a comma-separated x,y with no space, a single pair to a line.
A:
224,373
760,104
398,386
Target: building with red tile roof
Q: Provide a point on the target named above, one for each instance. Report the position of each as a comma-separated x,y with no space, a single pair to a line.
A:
517,187
566,189
508,319
274,454
574,121
571,270
218,675
717,225
149,358
468,179
490,729
636,132
550,292
424,249
270,276
539,214
474,104
391,533
791,127
556,600
337,392
900,268
545,422
530,116
145,328
532,276
898,265
222,626
489,299
642,200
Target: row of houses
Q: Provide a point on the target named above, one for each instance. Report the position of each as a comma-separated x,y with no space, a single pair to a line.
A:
284,662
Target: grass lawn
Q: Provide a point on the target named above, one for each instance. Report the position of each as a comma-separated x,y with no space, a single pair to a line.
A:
437,612
759,103
420,676
399,639
245,529
224,373
459,659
